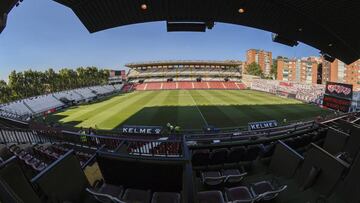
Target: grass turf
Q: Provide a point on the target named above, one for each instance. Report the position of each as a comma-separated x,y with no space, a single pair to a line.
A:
190,109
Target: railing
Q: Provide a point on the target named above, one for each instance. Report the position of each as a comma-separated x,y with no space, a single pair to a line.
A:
172,146
161,147
10,135
165,147
242,135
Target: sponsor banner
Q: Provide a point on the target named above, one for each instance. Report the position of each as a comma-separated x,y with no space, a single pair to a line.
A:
287,84
340,90
336,103
144,130
262,125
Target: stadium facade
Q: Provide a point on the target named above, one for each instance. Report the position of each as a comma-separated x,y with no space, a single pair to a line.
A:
185,70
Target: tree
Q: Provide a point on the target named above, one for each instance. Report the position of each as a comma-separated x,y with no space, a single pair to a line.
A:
16,84
5,92
254,69
32,83
273,71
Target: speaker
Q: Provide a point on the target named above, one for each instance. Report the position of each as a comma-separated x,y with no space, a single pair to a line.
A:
284,40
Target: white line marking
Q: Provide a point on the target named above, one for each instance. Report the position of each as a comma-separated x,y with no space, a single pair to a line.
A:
199,110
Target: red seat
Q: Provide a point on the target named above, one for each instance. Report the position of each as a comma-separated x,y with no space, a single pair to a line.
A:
230,85
242,86
140,87
216,85
185,85
200,85
153,86
169,85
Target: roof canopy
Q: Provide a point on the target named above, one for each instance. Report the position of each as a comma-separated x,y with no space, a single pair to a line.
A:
331,26
5,8
184,62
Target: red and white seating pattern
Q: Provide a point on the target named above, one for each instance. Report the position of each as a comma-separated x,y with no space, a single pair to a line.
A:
305,92
189,85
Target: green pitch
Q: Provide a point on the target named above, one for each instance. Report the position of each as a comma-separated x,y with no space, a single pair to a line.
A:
189,109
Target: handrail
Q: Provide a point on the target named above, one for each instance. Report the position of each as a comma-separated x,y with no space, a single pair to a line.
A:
248,134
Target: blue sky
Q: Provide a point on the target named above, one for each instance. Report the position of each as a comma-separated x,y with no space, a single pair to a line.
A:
41,34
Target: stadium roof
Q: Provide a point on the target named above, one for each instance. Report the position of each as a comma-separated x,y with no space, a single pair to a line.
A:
185,62
328,25
5,8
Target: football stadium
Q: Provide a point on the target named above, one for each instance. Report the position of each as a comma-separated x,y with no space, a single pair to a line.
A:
194,96
266,129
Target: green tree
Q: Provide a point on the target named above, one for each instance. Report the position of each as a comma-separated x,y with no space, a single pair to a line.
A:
254,69
5,92
16,84
273,71
32,83
51,79
81,76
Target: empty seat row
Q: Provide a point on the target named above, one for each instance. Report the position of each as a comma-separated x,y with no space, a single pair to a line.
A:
223,155
167,148
31,161
243,154
259,191
39,156
82,156
108,192
224,176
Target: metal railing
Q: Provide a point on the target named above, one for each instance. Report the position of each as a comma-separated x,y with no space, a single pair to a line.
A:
172,146
246,134
159,147
166,147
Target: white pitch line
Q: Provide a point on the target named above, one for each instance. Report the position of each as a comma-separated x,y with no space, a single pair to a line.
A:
198,110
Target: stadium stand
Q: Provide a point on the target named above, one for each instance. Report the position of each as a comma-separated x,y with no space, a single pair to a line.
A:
310,93
244,170
189,85
86,93
316,161
43,103
17,107
37,106
69,96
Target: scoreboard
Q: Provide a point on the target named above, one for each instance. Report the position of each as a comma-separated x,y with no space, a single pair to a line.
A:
120,74
338,96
